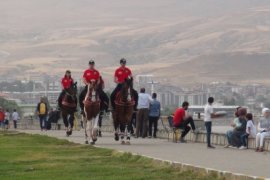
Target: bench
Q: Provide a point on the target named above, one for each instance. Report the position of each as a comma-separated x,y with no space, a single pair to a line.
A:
167,123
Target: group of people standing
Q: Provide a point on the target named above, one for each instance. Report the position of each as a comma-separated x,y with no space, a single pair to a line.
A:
147,115
6,116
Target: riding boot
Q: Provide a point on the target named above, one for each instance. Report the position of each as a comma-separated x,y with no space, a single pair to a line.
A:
81,99
60,99
113,95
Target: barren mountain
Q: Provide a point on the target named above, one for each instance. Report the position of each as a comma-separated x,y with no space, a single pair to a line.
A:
179,41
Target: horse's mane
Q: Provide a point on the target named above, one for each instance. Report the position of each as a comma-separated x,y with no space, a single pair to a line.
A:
128,84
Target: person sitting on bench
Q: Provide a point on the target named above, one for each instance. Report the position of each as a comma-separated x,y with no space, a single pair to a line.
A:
182,120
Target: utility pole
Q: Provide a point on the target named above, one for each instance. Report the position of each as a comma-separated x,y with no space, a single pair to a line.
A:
152,85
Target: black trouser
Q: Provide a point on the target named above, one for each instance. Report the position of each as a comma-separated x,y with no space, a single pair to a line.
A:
104,104
117,89
153,121
132,123
60,98
69,120
185,127
15,124
142,122
208,126
82,96
101,114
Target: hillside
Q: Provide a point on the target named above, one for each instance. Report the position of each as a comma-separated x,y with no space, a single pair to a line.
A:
156,36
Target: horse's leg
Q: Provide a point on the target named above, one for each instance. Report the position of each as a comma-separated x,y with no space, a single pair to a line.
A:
95,128
122,133
65,120
71,122
100,123
128,134
85,129
89,130
116,126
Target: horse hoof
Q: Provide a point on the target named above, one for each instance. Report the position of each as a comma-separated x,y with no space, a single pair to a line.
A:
123,143
127,143
67,134
94,140
70,132
99,134
86,142
93,143
116,137
128,138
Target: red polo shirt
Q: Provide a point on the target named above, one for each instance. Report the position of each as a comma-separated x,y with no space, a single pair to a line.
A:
2,116
91,74
66,82
179,116
122,73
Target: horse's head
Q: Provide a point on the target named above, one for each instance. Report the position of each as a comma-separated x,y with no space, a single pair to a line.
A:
128,84
126,91
92,85
72,90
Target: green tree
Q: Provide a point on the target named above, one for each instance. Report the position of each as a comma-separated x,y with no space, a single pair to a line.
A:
168,110
10,105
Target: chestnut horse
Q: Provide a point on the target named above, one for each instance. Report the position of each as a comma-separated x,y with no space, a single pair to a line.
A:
69,106
91,112
124,104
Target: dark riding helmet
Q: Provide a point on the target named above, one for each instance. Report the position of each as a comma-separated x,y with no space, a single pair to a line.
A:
123,61
91,62
68,71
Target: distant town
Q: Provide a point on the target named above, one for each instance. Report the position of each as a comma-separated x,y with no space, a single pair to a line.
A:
26,93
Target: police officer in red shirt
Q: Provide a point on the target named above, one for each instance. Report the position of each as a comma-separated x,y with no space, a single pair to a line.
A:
66,82
89,75
120,75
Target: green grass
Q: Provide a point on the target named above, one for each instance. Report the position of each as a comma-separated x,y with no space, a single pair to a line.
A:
24,156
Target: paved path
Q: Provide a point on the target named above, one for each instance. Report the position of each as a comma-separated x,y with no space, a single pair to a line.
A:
238,161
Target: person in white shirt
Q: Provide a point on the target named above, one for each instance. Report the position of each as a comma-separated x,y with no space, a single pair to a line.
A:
250,131
208,116
15,117
7,118
142,114
263,130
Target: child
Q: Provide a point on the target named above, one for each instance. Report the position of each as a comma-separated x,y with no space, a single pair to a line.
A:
250,131
7,118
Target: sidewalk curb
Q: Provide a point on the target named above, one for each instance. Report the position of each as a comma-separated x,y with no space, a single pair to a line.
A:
202,170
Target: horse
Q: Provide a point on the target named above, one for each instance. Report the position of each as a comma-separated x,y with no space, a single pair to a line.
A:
69,106
104,104
124,104
91,112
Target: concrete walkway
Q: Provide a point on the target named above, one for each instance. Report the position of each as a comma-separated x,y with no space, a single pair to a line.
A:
245,162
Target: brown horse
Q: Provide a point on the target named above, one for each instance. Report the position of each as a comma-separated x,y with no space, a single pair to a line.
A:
91,112
69,106
124,104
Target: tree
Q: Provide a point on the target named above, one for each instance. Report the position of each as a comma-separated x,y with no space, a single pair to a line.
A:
168,110
10,105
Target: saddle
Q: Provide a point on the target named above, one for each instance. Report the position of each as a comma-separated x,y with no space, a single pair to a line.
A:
119,101
68,103
90,102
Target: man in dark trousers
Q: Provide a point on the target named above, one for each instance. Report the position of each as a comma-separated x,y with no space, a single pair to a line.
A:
42,112
182,120
154,114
